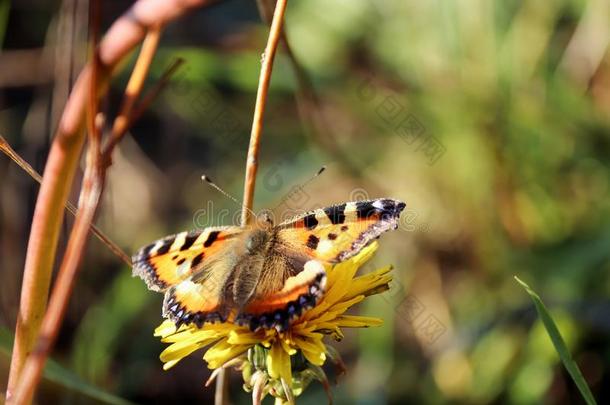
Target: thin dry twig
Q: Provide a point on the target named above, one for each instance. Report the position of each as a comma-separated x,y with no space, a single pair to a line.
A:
259,109
253,148
309,105
265,10
152,94
236,362
134,87
87,206
121,38
114,248
91,191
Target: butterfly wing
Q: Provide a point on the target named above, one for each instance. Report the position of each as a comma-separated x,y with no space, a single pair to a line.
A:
200,298
195,268
336,233
293,277
175,258
191,268
276,307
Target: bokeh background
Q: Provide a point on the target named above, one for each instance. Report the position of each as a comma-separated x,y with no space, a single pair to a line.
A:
489,118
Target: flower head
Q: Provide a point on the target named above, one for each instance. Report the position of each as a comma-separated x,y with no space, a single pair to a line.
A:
283,363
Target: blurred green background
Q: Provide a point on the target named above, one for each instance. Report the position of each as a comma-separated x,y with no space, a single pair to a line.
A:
489,118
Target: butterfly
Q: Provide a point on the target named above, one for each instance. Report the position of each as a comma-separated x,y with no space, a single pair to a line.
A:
262,276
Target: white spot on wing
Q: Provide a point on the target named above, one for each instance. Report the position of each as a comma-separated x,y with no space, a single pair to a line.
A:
157,246
322,217
179,241
311,269
183,269
325,246
202,238
350,212
378,204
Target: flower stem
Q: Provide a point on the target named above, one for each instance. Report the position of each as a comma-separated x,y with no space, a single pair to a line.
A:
275,33
259,109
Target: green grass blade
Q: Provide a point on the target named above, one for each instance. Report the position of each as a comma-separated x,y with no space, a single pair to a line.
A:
560,345
5,7
60,375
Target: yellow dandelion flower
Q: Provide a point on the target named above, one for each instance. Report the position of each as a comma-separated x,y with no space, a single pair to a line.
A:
283,363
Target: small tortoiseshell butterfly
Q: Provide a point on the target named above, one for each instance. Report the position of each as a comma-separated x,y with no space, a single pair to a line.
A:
262,276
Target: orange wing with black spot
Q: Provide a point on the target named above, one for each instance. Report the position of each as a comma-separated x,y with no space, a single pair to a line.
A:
191,268
175,258
195,269
336,233
278,309
328,235
198,300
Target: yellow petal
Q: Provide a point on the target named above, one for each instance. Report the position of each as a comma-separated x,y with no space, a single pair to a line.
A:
312,349
365,254
241,337
287,347
170,364
352,321
278,363
304,329
192,335
165,329
175,352
318,358
332,329
222,352
345,272
308,343
337,309
369,282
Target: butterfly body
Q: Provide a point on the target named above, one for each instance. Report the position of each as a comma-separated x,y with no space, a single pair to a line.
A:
263,276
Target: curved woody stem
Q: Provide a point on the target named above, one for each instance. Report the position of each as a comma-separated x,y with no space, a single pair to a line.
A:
144,18
275,34
127,32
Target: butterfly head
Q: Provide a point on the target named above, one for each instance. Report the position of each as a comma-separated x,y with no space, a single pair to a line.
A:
257,239
264,220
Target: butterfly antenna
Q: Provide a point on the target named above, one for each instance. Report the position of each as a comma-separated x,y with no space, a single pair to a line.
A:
312,178
229,196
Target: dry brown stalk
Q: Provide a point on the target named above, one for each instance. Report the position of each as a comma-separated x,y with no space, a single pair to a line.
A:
273,40
152,94
309,105
61,165
98,161
114,248
259,109
122,37
90,193
134,86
